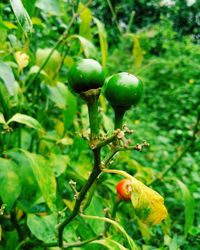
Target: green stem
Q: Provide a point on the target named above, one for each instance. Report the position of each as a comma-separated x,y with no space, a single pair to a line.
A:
81,243
119,114
93,119
91,97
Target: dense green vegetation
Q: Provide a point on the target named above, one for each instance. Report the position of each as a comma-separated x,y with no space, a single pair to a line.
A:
48,146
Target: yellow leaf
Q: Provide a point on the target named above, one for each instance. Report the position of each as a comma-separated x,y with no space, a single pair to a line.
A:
22,59
86,18
148,204
36,21
9,25
137,52
0,232
102,40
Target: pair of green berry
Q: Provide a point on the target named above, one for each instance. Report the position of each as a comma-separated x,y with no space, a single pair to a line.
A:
122,90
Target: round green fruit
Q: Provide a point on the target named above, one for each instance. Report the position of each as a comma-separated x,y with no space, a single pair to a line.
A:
123,90
85,74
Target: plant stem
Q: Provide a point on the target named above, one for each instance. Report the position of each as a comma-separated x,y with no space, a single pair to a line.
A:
119,114
81,243
93,118
16,225
91,97
93,176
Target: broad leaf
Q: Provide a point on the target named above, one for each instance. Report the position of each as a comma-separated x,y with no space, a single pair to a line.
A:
44,176
10,185
95,208
7,76
103,40
30,191
25,119
50,6
53,64
88,48
148,204
21,15
43,228
58,163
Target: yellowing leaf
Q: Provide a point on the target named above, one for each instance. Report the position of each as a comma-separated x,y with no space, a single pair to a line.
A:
9,25
137,52
22,59
148,204
102,40
86,18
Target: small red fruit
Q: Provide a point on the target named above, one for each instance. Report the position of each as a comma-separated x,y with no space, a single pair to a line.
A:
124,189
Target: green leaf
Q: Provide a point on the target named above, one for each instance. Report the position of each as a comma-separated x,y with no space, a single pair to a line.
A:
44,176
86,18
58,163
2,120
70,112
30,191
10,185
110,244
43,228
29,6
88,48
95,208
189,205
25,119
21,15
50,6
52,65
103,40
7,76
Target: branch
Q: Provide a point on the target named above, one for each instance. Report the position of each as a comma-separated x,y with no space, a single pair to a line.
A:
137,147
92,178
81,243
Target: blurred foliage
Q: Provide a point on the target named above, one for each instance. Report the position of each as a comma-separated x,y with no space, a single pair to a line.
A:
43,125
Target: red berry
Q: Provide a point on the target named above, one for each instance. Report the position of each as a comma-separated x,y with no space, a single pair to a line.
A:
124,189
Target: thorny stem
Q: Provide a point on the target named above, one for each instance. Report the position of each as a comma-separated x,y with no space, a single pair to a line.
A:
137,147
91,98
93,176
